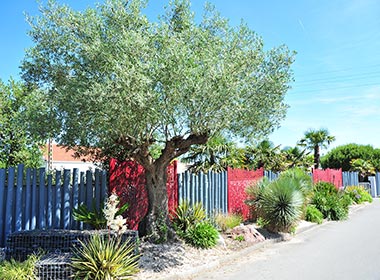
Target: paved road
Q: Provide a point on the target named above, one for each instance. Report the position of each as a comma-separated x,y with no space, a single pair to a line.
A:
337,250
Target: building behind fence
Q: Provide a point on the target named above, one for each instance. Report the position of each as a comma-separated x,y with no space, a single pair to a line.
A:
32,199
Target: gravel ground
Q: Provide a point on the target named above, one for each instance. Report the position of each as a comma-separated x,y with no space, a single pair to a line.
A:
166,261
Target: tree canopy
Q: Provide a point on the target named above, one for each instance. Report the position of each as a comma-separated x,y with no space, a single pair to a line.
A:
316,140
16,143
119,84
343,156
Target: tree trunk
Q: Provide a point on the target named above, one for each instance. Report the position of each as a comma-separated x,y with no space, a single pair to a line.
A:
316,156
156,225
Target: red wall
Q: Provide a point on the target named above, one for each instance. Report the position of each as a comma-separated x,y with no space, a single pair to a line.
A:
127,179
238,180
333,176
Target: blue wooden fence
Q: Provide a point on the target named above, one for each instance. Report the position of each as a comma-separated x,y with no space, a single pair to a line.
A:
350,178
32,199
208,188
271,175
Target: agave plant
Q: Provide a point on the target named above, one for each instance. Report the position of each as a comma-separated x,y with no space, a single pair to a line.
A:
104,258
281,205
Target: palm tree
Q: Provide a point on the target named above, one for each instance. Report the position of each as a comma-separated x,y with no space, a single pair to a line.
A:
316,140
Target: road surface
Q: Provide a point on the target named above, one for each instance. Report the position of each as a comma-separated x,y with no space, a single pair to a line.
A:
335,250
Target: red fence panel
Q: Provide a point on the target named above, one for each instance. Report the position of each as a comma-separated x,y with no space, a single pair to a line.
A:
333,176
238,180
127,180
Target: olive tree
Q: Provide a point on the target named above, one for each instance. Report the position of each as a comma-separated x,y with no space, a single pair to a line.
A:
119,84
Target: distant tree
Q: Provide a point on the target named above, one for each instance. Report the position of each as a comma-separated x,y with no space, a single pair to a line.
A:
365,168
216,155
342,156
265,155
17,145
297,157
316,140
119,84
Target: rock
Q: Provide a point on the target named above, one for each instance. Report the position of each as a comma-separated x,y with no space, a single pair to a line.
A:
249,233
220,242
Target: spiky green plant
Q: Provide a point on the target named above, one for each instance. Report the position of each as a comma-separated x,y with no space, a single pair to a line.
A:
281,205
301,180
187,215
14,270
104,258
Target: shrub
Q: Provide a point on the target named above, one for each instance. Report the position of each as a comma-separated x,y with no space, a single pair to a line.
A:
186,216
313,214
202,235
301,180
14,270
104,257
358,194
332,203
227,221
281,205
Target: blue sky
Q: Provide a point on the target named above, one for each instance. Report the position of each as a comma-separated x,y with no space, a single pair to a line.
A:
337,67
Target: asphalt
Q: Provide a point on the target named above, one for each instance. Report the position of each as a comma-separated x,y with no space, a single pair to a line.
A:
273,259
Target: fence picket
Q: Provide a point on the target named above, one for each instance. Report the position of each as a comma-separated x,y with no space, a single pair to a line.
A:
208,188
31,200
2,202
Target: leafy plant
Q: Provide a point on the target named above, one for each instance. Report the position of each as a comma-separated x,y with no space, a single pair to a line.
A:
227,221
95,218
104,257
239,238
14,270
261,222
332,203
186,215
358,194
313,214
202,235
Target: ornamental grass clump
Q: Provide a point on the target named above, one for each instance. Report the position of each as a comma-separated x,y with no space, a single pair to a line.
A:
106,256
227,221
14,270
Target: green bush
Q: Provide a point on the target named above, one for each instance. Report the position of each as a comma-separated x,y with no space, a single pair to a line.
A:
332,203
358,194
202,235
104,257
313,214
14,270
281,205
186,216
227,221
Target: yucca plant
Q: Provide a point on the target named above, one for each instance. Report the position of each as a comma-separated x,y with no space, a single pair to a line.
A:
14,270
104,258
95,218
186,215
281,205
301,180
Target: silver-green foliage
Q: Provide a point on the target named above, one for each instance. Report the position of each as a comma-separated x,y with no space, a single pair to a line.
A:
113,77
281,205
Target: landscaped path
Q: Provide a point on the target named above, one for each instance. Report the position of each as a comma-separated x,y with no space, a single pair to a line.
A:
335,250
